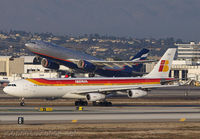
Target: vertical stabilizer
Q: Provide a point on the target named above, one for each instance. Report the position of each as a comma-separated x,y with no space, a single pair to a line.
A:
163,67
142,55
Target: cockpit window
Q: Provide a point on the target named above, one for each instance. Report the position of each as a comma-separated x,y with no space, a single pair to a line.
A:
11,84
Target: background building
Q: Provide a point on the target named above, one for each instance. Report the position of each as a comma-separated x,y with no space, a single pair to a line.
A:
187,65
189,53
10,65
23,67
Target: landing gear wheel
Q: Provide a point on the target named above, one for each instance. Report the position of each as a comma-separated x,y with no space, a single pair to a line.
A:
81,103
85,103
94,103
109,103
76,103
91,75
22,103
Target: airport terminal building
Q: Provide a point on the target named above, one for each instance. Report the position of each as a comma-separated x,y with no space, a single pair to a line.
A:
187,64
12,68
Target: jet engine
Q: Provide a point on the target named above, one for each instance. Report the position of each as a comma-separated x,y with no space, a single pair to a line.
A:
136,93
95,96
49,64
87,66
37,60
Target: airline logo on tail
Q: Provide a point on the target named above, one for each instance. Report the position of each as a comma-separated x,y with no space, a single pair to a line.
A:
142,55
164,66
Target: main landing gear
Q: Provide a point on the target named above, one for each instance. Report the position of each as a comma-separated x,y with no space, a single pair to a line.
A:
81,103
72,75
102,103
22,103
91,75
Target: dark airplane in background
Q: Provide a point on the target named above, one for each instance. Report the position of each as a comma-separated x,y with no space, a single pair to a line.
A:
53,56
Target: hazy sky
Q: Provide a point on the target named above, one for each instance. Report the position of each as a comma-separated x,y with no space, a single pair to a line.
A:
135,18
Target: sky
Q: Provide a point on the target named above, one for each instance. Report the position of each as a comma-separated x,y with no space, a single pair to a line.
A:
123,18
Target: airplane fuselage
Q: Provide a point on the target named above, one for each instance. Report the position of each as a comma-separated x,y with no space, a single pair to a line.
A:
72,88
58,54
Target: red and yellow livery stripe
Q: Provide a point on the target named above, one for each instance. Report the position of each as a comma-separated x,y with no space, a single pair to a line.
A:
92,82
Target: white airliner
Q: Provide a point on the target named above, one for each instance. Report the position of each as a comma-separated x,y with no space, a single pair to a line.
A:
94,89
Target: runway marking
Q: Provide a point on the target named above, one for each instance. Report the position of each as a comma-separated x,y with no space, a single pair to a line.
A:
182,119
74,121
46,109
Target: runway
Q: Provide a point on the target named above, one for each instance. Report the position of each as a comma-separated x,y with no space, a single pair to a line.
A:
32,115
153,107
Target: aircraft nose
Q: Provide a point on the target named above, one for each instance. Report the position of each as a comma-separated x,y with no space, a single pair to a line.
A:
28,45
6,90
31,46
10,91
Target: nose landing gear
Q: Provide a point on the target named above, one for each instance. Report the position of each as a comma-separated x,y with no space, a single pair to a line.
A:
22,103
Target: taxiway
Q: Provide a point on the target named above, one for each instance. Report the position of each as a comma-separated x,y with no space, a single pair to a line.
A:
69,114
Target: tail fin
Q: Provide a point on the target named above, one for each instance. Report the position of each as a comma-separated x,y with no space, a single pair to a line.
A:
162,68
142,55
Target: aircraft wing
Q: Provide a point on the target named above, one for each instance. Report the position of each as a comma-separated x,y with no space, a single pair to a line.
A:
97,62
102,63
112,89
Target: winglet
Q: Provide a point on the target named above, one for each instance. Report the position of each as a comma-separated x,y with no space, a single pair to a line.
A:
162,68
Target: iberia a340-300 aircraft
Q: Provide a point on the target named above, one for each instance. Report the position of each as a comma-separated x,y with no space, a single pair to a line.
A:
94,89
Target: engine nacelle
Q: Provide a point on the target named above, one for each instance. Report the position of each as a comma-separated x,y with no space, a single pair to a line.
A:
87,66
95,96
49,64
37,60
136,93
